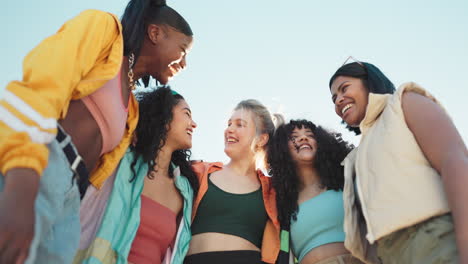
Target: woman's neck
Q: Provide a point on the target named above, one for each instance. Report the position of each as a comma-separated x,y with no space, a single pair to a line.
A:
244,167
163,161
138,68
308,176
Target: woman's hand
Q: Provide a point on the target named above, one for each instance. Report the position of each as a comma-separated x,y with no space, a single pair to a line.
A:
17,214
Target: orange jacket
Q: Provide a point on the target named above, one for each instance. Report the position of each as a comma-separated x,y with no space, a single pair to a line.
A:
82,56
271,235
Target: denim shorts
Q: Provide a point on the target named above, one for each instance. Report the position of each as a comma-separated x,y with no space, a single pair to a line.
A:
428,242
57,206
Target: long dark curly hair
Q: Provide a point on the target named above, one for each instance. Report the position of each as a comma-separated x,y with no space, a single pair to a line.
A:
331,150
155,109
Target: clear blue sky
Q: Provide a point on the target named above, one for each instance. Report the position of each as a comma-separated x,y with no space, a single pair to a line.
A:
281,52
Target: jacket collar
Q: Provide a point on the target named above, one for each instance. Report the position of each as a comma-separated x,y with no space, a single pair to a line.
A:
375,106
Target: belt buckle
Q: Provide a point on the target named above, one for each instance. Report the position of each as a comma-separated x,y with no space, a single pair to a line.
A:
75,163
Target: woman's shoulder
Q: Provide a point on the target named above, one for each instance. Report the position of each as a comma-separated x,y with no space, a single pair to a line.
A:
412,88
201,167
97,14
97,19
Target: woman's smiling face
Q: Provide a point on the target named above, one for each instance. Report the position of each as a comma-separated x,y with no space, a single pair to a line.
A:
302,145
350,97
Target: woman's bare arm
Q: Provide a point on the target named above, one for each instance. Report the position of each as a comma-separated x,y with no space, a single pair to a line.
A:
443,146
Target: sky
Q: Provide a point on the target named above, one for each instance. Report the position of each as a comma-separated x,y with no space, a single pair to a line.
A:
281,53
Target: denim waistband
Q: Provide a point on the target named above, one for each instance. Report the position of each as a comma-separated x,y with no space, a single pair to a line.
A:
74,159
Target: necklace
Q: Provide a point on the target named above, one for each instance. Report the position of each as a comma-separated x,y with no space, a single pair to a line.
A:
131,61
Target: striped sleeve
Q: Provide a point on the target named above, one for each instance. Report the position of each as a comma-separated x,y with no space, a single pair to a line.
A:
30,108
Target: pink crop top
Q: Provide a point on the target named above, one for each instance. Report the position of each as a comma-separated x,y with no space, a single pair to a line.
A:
108,109
155,234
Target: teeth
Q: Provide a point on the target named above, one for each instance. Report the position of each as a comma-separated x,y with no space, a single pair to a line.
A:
231,140
346,108
189,132
304,146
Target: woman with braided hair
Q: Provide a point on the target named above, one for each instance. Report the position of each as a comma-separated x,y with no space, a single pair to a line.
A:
69,121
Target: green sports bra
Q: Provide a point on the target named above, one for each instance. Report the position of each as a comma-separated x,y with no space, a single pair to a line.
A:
241,215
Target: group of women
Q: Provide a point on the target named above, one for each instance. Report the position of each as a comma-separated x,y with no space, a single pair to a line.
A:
94,172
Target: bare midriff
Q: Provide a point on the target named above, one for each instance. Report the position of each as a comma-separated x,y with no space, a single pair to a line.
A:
323,252
84,131
86,135
208,242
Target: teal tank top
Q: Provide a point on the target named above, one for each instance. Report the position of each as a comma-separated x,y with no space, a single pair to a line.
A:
241,215
319,222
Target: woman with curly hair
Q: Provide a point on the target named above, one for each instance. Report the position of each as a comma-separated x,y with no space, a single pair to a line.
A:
68,122
151,194
404,193
305,165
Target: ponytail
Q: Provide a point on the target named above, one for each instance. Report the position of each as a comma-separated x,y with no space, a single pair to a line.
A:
139,14
134,24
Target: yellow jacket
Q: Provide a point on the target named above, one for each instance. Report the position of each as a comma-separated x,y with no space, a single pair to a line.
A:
82,56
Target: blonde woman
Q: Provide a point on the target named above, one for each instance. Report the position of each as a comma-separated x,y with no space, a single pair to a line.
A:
234,214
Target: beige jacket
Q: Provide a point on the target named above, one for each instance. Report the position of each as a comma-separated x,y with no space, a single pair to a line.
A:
396,185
